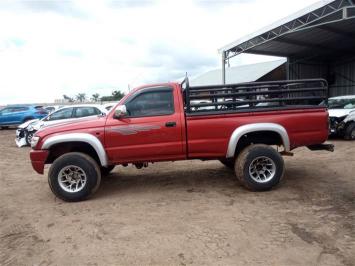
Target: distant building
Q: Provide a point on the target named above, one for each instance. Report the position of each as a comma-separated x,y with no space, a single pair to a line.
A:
265,71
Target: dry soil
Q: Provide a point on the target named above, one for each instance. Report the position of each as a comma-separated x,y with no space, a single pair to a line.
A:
182,213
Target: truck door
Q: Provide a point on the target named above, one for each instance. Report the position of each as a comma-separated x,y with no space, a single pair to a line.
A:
150,131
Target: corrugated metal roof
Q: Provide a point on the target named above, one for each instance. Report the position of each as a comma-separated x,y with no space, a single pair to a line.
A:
276,24
323,30
237,74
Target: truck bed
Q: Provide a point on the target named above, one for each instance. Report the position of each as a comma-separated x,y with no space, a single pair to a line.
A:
297,105
255,96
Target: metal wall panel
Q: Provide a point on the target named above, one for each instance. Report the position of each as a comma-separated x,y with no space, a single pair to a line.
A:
344,79
300,70
339,74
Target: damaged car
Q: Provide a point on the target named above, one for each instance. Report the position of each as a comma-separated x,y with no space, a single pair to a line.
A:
25,131
342,116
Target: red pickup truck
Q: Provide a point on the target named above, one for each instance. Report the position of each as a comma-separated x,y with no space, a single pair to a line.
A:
242,125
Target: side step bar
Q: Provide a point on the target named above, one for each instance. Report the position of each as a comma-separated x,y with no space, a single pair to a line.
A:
320,147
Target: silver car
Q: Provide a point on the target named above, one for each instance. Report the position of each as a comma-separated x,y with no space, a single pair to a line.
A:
25,131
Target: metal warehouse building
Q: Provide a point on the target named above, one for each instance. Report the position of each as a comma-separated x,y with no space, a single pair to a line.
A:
318,42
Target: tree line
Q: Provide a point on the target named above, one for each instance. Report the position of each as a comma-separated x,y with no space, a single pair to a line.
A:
116,95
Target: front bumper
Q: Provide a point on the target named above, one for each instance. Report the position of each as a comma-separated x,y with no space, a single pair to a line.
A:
336,126
38,159
20,137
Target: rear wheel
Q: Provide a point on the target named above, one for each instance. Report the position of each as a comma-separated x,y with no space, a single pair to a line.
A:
350,131
74,176
259,167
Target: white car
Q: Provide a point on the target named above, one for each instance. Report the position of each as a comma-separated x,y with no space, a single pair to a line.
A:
52,108
342,116
25,131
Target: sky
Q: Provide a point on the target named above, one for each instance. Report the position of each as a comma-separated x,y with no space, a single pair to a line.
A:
51,48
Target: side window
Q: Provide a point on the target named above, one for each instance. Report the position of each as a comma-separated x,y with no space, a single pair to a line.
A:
86,111
19,109
5,111
61,114
151,103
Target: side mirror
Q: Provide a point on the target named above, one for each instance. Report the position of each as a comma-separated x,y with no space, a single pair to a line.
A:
120,111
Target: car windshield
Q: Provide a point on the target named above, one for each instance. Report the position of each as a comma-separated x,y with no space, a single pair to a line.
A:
341,103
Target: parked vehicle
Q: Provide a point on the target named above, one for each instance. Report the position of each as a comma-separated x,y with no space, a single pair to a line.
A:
25,131
18,114
161,123
342,116
108,106
52,108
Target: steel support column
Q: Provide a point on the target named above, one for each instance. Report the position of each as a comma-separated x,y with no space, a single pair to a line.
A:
223,67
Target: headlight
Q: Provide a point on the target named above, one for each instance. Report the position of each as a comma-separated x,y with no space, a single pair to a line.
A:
34,141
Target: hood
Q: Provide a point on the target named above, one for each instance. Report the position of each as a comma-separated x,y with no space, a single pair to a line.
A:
27,123
339,112
75,125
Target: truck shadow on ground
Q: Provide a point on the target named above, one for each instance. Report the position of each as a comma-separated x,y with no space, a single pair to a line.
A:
140,181
200,180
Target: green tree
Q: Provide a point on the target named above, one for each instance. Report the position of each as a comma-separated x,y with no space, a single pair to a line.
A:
80,97
69,99
95,97
116,95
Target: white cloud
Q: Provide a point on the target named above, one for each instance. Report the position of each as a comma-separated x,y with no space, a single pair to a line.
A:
51,48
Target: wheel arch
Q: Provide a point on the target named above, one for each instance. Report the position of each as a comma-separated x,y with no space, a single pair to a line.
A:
82,140
272,128
27,118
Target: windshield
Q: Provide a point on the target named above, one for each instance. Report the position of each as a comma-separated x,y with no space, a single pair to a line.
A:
341,103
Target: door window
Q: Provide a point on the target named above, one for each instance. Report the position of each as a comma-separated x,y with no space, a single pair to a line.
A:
86,111
19,109
151,103
5,111
61,114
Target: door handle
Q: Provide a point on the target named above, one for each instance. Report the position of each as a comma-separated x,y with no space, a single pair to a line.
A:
170,124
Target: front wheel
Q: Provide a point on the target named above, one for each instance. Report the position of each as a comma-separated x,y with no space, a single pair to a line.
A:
29,136
74,176
259,167
350,131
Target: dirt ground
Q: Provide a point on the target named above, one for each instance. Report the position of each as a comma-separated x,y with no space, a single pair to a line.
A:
182,213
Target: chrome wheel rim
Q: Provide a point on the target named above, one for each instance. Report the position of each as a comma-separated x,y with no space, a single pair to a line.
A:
262,169
352,134
29,137
72,178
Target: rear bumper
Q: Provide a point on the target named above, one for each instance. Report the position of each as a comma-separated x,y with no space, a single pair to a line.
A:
38,159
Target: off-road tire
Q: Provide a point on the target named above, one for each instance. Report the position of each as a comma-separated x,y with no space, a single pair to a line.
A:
228,162
106,170
87,164
349,133
246,158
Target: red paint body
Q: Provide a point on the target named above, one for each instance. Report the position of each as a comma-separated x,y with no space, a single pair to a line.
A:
203,136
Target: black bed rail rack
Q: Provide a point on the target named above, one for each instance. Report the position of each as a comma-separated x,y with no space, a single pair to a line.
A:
254,96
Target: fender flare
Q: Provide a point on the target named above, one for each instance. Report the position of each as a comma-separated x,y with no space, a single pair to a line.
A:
79,137
350,117
245,129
